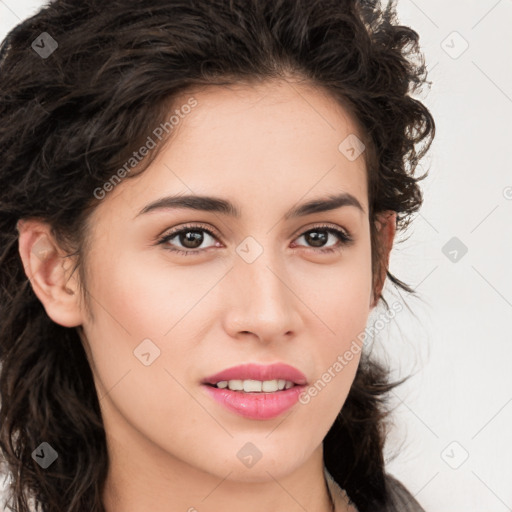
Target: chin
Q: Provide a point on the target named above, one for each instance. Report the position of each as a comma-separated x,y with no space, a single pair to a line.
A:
258,462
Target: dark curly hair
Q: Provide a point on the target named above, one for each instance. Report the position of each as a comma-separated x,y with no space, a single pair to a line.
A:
69,120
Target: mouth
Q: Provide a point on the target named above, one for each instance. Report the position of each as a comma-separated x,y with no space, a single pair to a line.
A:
254,386
258,392
257,378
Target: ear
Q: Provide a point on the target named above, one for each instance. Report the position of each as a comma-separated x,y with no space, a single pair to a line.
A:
48,269
386,229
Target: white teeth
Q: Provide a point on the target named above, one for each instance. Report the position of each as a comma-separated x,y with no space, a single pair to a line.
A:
236,385
255,386
252,385
269,386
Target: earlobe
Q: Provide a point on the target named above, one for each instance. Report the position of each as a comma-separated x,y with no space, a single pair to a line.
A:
47,268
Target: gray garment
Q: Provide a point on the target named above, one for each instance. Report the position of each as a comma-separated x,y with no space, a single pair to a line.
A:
402,499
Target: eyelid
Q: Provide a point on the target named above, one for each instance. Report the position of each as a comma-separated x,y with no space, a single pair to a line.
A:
322,225
192,226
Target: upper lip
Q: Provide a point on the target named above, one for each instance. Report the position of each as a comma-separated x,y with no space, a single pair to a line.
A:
259,372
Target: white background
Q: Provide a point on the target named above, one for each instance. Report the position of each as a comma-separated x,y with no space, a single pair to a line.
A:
453,417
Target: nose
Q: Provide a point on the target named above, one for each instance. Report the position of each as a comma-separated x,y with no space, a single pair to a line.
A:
262,301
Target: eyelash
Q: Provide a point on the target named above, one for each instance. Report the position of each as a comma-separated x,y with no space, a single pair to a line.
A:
345,238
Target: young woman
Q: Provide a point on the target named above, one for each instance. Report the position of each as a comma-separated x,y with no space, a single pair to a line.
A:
198,203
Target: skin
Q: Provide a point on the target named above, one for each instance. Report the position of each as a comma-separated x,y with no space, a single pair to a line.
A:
172,448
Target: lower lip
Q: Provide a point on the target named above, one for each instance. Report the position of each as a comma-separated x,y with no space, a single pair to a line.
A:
256,406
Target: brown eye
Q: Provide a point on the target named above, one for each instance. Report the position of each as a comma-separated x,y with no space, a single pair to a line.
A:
318,238
190,238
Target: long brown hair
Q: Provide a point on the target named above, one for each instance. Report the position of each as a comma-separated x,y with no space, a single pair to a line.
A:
69,116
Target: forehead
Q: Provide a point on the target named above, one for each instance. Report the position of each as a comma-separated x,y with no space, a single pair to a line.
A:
294,115
271,142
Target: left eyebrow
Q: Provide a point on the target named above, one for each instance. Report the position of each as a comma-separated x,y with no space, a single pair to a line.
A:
219,205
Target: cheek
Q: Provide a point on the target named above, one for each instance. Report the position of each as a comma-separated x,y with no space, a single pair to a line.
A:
339,297
136,302
342,309
146,298
142,308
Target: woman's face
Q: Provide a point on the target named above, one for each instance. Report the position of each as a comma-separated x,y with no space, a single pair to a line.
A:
260,289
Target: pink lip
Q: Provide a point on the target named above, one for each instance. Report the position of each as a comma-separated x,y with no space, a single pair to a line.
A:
258,406
259,372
